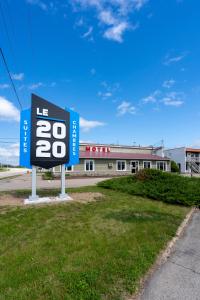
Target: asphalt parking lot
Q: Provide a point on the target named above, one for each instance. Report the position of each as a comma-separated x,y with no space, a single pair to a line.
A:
24,182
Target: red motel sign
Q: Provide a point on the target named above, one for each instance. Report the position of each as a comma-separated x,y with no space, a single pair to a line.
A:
97,149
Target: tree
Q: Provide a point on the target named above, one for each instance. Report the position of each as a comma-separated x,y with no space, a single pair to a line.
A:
174,167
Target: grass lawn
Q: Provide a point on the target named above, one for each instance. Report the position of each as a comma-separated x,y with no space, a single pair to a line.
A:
75,251
3,169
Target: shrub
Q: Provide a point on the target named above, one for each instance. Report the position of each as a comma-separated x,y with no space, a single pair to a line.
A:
174,167
48,175
158,185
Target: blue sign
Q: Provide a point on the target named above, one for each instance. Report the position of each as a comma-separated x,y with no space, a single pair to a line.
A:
49,135
25,138
73,138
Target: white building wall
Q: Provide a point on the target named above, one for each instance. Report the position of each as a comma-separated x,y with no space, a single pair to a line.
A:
178,155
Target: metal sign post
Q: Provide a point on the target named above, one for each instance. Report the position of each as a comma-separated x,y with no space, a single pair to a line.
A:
34,196
63,195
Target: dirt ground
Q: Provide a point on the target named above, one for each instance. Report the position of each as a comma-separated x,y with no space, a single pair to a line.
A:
9,200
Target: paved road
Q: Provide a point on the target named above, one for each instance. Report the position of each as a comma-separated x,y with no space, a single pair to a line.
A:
24,182
179,277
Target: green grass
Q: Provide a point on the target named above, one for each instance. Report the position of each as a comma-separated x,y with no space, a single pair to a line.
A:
74,251
3,169
158,185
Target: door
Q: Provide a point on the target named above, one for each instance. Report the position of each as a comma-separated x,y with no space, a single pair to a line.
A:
134,166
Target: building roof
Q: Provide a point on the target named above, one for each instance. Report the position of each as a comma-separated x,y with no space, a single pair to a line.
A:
193,150
116,155
120,146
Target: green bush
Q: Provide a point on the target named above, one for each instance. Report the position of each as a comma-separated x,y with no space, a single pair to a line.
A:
174,167
48,175
158,185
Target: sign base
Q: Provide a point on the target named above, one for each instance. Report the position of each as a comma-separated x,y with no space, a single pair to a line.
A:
47,200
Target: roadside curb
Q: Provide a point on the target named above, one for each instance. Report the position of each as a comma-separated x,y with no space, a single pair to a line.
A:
163,256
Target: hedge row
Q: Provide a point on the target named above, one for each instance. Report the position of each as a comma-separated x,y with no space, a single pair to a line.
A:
158,185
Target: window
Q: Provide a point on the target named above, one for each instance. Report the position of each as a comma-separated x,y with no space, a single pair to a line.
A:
89,165
69,169
161,165
121,165
147,165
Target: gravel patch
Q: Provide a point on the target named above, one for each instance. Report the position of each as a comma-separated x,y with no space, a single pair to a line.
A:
85,197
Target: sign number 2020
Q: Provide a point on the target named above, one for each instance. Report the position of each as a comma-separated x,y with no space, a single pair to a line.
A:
43,146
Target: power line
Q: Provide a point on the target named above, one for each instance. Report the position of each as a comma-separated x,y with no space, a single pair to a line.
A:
12,83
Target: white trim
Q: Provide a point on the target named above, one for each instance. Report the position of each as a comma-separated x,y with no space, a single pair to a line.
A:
120,160
147,161
161,161
86,160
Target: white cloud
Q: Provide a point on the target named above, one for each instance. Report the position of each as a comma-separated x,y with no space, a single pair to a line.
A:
149,99
125,107
12,150
4,86
113,15
108,94
105,95
39,3
116,32
87,125
106,17
173,99
168,99
121,5
8,112
152,98
35,86
19,76
173,59
108,90
168,83
9,154
88,33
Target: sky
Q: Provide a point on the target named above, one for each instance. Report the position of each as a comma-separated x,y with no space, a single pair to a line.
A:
130,68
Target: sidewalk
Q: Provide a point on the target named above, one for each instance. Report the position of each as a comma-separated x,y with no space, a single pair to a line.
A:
179,277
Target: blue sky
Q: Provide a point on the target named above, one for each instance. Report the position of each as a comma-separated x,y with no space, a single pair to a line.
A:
129,67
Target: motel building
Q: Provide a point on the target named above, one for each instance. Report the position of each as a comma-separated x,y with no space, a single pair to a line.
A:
115,160
188,159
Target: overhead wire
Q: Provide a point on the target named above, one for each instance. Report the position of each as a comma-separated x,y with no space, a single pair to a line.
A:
10,77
